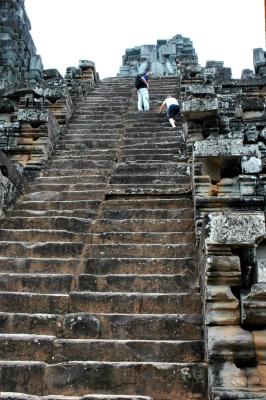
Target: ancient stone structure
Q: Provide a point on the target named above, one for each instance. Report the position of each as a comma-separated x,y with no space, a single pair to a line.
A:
18,58
163,59
35,104
225,128
133,267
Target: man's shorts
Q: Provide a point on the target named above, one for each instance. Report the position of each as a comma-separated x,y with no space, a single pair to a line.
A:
173,110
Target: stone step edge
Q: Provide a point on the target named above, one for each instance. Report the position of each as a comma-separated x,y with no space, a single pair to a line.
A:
24,396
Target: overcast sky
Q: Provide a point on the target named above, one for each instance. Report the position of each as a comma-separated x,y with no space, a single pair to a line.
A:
66,31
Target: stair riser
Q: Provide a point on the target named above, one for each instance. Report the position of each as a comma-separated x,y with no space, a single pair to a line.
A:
164,238
135,303
39,323
36,265
130,351
141,327
37,283
186,266
136,251
135,284
51,250
19,350
147,214
33,303
165,383
58,223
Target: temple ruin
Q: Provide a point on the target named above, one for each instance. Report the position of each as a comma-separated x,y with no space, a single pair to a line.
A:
132,255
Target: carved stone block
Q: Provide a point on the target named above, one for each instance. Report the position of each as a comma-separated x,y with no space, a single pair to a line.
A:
223,270
259,339
231,343
200,109
218,147
235,228
253,306
222,306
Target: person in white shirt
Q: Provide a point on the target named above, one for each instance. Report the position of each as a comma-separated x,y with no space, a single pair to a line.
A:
173,109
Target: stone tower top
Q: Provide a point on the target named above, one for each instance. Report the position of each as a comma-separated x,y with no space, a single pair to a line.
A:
18,58
161,58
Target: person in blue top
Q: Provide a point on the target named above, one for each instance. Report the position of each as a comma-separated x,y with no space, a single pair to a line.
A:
142,87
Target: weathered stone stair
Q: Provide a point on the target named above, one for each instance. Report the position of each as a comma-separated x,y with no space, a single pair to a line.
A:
99,289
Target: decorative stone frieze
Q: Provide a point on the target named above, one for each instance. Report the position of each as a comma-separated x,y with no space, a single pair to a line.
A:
199,109
223,270
242,228
218,147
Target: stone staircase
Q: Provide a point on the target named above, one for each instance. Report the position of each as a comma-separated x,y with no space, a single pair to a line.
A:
99,288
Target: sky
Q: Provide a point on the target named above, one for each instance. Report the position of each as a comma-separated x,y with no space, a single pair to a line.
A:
66,31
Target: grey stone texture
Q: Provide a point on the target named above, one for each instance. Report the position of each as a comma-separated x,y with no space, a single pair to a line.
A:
162,58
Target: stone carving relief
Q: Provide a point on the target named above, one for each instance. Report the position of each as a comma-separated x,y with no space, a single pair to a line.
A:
235,228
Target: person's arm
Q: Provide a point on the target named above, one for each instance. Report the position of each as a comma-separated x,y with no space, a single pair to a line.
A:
162,106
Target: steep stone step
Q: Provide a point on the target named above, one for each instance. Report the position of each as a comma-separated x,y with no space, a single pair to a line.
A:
140,134
133,141
79,164
143,156
37,283
23,396
138,303
78,213
40,265
142,224
146,213
148,202
88,143
166,380
95,124
153,146
22,376
159,128
76,173
158,179
94,326
149,189
133,326
15,302
137,237
185,266
126,350
42,235
45,249
18,347
151,151
115,250
76,187
130,283
66,195
48,349
39,323
152,169
69,179
58,205
70,224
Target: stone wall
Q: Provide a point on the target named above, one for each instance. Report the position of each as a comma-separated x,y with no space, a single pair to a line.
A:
35,104
18,57
225,124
